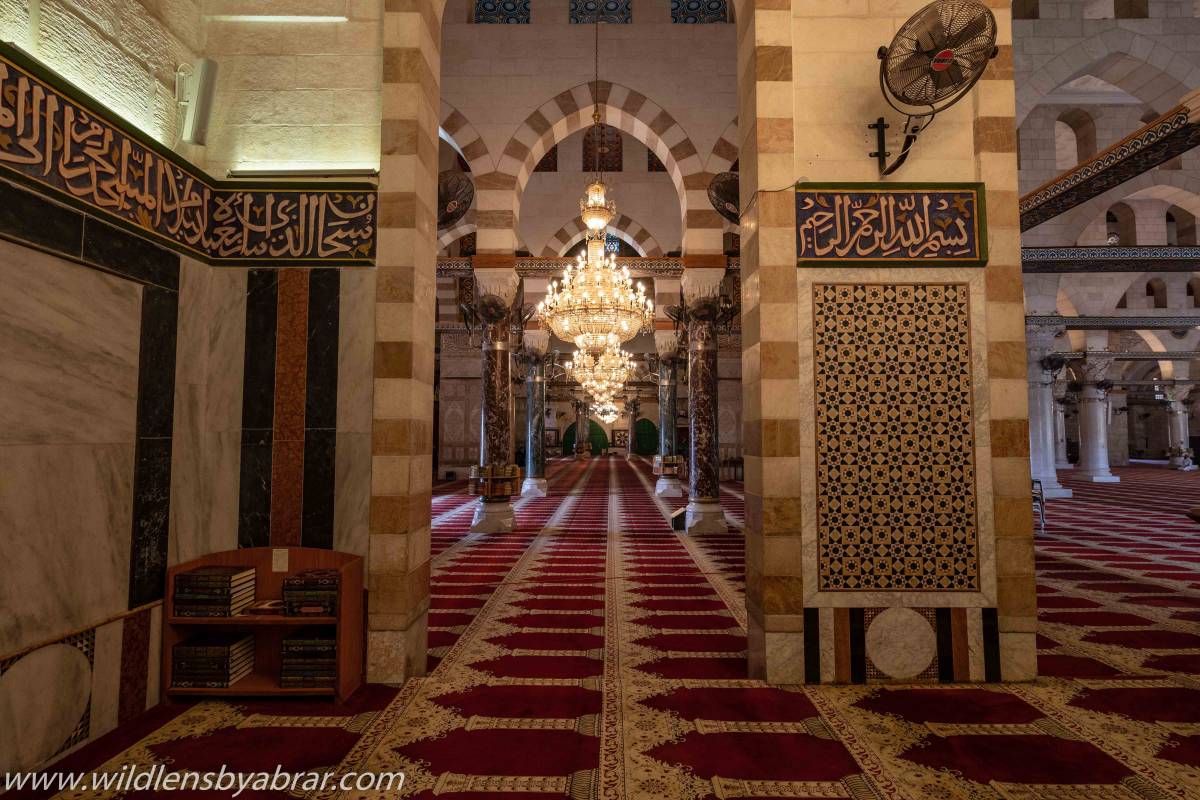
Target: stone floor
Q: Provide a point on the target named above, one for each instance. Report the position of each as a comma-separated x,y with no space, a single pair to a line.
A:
595,653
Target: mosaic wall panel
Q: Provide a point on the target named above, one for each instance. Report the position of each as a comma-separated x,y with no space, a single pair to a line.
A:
607,140
699,11
502,12
105,167
583,12
895,447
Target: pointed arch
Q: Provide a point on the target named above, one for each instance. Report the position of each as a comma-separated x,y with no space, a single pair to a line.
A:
626,109
463,227
1159,80
725,152
622,225
466,140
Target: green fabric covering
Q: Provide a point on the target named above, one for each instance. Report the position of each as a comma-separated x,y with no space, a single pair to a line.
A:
598,438
645,438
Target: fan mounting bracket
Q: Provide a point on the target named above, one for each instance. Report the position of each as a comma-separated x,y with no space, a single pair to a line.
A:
881,152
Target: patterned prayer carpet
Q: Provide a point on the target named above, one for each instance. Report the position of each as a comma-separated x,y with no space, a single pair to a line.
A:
594,653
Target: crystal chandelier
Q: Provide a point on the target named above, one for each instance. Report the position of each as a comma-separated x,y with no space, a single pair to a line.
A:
595,301
607,413
601,376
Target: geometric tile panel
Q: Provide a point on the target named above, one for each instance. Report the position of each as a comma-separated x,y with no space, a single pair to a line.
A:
896,505
583,12
502,12
699,11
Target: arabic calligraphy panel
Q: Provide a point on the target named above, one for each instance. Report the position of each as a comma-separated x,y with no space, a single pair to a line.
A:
55,141
893,224
895,442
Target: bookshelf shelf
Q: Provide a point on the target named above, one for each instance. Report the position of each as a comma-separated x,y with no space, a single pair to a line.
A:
271,566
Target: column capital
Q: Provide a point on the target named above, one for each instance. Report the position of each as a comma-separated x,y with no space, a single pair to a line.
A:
1095,366
537,342
499,282
1177,393
700,283
1060,390
666,343
1040,340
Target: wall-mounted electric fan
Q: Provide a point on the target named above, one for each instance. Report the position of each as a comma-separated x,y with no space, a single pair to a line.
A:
933,61
455,193
723,194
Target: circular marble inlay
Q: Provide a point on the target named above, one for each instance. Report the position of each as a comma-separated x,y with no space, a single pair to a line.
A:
901,643
43,696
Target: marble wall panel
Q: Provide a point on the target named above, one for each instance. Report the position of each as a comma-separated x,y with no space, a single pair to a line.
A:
83,544
70,341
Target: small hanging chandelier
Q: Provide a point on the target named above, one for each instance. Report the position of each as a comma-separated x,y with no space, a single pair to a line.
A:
607,413
596,301
602,376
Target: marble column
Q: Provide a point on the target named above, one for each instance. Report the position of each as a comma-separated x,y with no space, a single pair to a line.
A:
666,463
583,445
704,513
633,406
1040,342
534,356
495,479
1178,440
1093,420
1061,461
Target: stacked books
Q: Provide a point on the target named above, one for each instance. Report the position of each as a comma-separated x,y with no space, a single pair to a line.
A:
309,659
213,591
311,593
212,662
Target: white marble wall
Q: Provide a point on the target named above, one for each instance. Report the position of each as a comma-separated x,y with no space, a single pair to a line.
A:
352,470
208,410
68,407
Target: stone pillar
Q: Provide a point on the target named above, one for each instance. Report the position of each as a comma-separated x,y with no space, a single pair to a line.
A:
1061,461
1118,430
667,462
1093,420
704,514
583,445
1040,343
536,343
633,406
1178,442
495,479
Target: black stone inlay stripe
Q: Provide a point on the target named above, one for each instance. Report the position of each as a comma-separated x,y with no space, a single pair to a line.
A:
945,645
812,645
991,645
128,255
29,219
152,451
858,645
258,409
320,407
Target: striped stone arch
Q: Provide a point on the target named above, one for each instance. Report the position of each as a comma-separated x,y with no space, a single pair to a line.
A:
623,108
622,225
474,150
458,230
725,151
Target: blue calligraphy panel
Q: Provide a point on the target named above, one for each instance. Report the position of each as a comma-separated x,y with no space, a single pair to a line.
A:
53,140
892,224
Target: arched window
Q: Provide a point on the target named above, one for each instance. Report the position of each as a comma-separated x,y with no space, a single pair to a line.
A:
1185,227
502,12
1121,225
1193,291
1074,138
1131,9
603,141
613,12
548,162
1158,290
699,11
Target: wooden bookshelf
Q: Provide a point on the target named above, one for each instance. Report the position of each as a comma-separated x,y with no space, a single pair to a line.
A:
271,566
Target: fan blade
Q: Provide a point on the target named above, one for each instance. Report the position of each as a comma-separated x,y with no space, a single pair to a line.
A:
948,78
975,26
917,61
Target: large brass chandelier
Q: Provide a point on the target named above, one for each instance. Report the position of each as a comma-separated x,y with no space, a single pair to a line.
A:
596,301
601,376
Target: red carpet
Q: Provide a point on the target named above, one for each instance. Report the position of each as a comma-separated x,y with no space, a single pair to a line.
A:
594,653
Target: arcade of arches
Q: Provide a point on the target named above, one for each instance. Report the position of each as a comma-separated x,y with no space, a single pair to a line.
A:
895,502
